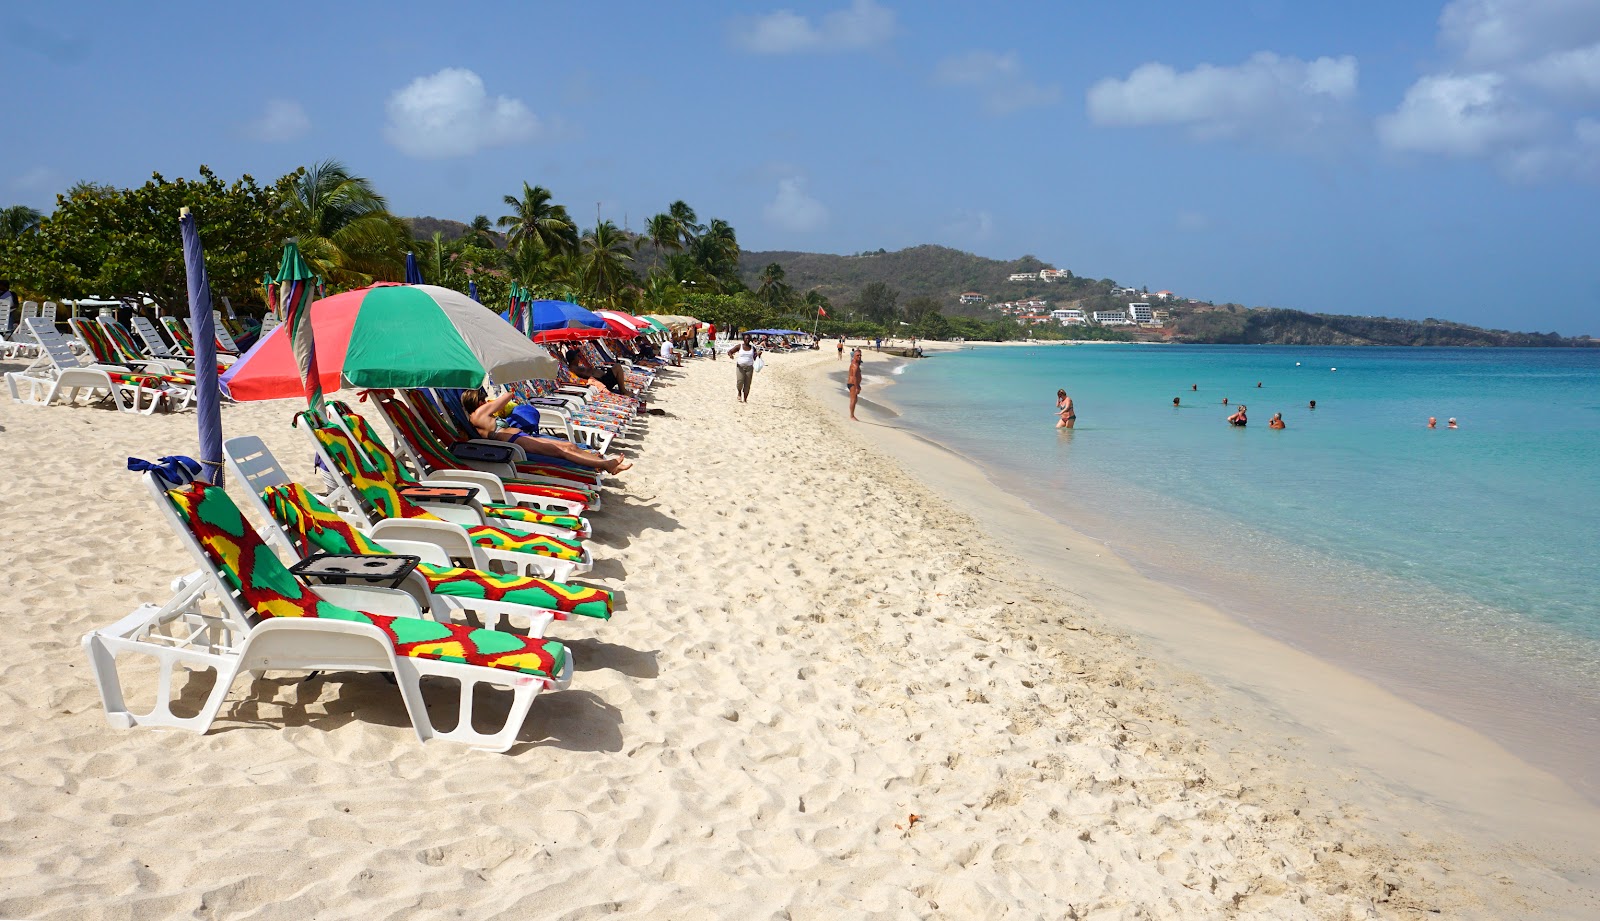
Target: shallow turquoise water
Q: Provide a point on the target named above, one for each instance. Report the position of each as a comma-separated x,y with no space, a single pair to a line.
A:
1462,566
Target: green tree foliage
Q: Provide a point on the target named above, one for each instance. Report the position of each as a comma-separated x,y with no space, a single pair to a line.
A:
18,220
878,302
344,227
604,266
538,222
124,241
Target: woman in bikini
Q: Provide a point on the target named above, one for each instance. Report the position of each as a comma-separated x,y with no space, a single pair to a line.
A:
1069,416
484,419
1239,418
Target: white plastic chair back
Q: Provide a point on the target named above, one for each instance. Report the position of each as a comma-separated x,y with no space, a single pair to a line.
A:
153,343
269,323
224,338
49,312
53,344
30,309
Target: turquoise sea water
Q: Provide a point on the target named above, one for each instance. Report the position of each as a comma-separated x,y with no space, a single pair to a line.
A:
1459,567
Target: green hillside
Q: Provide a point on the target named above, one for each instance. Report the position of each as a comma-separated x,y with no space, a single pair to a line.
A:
921,271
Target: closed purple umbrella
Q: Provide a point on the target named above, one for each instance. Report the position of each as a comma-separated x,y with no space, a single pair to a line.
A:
413,273
202,327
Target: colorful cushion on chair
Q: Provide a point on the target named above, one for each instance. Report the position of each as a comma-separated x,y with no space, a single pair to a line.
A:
270,590
317,527
382,495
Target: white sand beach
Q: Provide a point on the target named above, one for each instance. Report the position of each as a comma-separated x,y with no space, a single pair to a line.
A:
854,680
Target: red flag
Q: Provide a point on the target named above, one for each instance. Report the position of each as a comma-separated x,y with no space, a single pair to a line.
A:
821,312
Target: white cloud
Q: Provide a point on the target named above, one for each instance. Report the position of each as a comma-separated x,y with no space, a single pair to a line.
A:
1574,72
1521,91
1466,116
792,209
1269,96
999,78
450,114
862,25
282,120
1490,33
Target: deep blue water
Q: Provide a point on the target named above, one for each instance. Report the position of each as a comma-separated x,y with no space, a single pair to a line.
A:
1356,531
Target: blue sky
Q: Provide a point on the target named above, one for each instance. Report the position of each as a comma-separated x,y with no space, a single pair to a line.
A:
1427,158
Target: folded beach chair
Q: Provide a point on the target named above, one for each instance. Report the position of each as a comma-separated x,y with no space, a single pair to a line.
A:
305,526
364,492
57,372
416,442
530,514
270,620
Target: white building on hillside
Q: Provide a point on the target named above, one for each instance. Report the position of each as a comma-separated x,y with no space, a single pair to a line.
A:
1070,317
1054,275
1112,318
1141,314
972,297
1024,276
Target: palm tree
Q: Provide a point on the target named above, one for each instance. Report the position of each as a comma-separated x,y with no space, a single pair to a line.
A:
481,233
534,221
18,220
688,223
346,231
772,290
603,263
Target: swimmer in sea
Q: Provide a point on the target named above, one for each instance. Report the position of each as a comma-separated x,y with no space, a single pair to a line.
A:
1194,386
1258,385
1433,422
1069,416
1452,422
1277,422
1174,401
1313,404
1224,401
1239,418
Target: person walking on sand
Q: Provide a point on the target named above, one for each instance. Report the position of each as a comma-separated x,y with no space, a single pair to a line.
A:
1068,415
1277,422
853,382
744,355
841,347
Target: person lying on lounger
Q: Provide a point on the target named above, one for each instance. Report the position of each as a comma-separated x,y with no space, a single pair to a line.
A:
483,415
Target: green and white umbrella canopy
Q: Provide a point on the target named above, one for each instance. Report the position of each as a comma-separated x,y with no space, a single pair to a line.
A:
392,335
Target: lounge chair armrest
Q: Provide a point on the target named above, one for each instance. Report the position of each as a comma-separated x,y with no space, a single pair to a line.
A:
427,552
446,535
371,599
490,487
517,453
463,515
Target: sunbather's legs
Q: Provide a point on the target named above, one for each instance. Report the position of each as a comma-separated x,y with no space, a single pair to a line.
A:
546,447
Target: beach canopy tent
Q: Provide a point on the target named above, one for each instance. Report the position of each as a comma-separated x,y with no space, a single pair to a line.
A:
390,335
676,325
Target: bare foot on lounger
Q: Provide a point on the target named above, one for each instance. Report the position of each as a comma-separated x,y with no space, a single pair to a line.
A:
619,466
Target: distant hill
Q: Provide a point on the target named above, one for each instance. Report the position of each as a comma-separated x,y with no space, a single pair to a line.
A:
1273,326
934,271
422,228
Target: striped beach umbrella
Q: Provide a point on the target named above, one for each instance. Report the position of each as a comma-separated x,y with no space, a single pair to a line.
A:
390,335
297,291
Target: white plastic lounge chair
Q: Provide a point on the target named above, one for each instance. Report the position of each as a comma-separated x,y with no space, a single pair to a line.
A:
156,347
493,494
57,372
10,346
373,499
437,584
224,335
269,620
